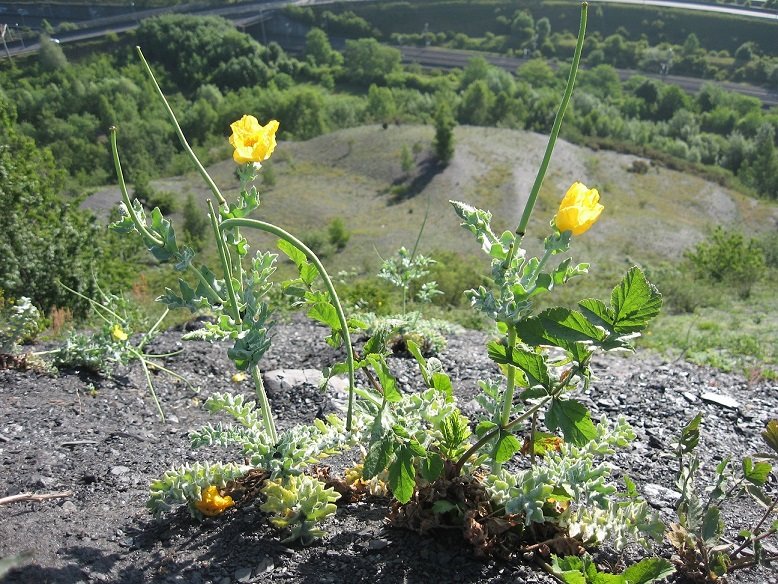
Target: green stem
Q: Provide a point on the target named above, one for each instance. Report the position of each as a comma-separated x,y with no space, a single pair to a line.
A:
142,360
180,133
264,404
507,402
222,247
286,236
95,304
213,295
555,393
139,225
147,337
560,114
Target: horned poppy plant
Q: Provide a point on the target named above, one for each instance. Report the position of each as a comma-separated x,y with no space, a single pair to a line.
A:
579,209
252,141
212,503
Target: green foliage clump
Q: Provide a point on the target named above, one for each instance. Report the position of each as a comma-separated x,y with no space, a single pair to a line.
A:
444,133
19,321
725,257
38,228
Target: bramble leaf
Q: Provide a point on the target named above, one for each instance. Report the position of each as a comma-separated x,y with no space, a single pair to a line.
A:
648,570
388,383
507,445
402,475
432,467
377,457
573,419
756,473
690,435
712,526
532,364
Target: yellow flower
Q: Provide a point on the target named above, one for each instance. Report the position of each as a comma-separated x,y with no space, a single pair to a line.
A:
578,210
239,377
212,503
252,141
117,333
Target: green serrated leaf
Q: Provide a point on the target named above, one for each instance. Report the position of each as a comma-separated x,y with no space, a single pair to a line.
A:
560,327
388,382
402,475
483,427
756,473
533,365
378,457
325,313
442,383
443,506
770,435
690,435
635,301
432,467
416,448
573,419
648,570
712,526
507,445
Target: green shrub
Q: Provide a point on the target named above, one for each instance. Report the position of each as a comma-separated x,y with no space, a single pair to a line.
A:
338,234
725,257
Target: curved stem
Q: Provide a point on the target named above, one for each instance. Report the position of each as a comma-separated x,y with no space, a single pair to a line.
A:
213,295
560,114
220,245
139,225
286,236
180,133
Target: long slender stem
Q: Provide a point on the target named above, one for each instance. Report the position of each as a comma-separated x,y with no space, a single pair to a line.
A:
560,114
213,295
264,404
147,336
286,236
142,360
221,246
139,225
180,133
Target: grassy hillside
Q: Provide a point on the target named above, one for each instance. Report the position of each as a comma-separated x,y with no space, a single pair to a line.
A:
356,174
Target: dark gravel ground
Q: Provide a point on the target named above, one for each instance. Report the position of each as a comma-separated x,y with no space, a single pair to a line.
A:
102,440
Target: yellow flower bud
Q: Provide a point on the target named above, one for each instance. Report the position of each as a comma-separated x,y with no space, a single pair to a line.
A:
252,141
239,377
117,333
212,503
578,210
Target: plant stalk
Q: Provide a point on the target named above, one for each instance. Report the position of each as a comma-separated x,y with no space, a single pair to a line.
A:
560,114
222,247
180,133
264,404
286,236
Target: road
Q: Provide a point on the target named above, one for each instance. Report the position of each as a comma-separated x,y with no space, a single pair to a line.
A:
763,14
435,57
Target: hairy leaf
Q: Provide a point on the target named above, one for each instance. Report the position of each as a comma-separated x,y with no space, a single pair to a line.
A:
507,445
532,364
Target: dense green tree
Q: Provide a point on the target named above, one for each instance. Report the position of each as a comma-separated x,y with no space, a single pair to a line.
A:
381,106
43,239
367,61
444,133
319,51
602,81
51,56
760,170
302,113
476,105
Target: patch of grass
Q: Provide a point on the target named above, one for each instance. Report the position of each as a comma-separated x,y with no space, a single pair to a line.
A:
735,335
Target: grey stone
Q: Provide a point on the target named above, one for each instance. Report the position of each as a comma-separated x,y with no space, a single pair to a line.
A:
119,470
243,574
720,400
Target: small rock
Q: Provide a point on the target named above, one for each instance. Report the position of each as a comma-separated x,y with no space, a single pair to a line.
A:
119,470
69,507
243,574
690,397
265,566
721,400
376,544
660,497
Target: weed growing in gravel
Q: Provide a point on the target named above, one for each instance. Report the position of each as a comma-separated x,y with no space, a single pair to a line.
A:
703,552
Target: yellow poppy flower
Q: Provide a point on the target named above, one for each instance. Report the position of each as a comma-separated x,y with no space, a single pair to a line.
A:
252,141
212,503
579,209
117,333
